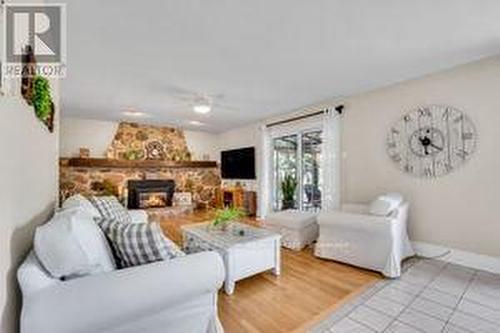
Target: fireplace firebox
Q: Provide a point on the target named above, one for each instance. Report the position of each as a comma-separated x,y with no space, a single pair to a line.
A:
153,193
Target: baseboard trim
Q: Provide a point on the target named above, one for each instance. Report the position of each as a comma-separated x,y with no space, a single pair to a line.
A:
459,257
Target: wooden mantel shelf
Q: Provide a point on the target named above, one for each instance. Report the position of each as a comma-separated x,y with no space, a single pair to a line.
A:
124,164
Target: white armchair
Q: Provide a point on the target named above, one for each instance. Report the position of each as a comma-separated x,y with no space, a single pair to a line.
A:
354,236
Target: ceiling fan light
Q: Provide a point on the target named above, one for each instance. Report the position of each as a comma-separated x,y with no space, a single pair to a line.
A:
202,108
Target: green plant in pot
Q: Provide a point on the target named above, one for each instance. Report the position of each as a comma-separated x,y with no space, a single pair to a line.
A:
288,188
224,217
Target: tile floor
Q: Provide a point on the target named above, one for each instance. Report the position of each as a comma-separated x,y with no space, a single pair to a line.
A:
431,296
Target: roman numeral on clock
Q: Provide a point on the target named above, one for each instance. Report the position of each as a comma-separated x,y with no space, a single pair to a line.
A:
428,172
462,153
467,136
396,158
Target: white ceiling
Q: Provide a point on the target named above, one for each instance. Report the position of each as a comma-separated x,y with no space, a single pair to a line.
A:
265,57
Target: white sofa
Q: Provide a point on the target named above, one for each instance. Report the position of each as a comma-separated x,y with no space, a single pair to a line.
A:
175,296
354,236
138,215
178,295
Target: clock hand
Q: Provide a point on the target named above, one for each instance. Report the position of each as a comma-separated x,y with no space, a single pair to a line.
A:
436,147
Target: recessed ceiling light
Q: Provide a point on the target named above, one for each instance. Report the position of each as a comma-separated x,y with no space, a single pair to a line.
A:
196,123
137,114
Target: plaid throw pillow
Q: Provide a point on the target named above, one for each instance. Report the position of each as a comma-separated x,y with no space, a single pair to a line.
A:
139,243
111,208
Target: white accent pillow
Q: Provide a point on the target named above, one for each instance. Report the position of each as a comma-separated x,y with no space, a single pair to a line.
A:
79,201
71,244
385,204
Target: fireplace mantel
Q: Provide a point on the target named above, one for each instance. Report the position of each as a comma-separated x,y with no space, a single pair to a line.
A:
125,164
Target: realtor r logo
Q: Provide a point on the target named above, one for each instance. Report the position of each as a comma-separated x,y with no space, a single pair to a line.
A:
35,27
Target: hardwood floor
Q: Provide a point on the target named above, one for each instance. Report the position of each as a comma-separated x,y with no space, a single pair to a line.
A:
308,289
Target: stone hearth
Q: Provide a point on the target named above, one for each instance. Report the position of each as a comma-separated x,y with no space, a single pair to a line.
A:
201,182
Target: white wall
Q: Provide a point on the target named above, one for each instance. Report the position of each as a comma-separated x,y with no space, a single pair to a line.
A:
97,135
202,143
241,137
29,183
459,210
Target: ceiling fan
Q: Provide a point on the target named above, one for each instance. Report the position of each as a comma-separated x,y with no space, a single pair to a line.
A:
201,103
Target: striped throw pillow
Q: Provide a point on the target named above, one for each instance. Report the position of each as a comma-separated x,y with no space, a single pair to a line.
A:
138,243
111,208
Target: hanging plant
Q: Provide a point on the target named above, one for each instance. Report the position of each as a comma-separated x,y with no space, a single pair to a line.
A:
42,101
41,97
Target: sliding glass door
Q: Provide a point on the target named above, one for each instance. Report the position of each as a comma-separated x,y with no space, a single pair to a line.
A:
285,171
297,172
311,177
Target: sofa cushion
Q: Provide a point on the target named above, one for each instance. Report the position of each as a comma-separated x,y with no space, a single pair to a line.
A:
71,245
138,244
292,219
79,201
111,208
385,204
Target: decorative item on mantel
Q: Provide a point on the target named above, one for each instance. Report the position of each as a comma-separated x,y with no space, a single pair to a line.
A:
84,152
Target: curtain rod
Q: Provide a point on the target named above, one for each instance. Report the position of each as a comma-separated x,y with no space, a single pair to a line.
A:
338,108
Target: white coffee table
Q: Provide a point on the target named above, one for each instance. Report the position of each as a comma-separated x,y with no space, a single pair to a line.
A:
246,250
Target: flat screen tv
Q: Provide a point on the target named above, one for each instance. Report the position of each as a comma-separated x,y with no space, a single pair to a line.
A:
238,163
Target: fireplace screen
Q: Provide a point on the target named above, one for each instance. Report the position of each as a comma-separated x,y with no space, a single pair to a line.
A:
143,194
152,200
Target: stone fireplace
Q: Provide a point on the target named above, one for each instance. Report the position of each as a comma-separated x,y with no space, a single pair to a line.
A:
145,165
154,193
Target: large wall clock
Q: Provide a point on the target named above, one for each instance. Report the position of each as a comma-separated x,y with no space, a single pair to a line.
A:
431,141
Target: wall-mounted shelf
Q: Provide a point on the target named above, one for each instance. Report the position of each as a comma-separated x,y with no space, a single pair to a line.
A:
125,164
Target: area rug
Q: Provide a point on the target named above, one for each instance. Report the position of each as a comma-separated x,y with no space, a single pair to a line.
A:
430,296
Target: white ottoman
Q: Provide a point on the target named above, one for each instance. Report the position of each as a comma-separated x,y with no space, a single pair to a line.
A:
298,229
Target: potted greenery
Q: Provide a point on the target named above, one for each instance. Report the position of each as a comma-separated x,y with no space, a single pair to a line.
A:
224,217
288,188
42,101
